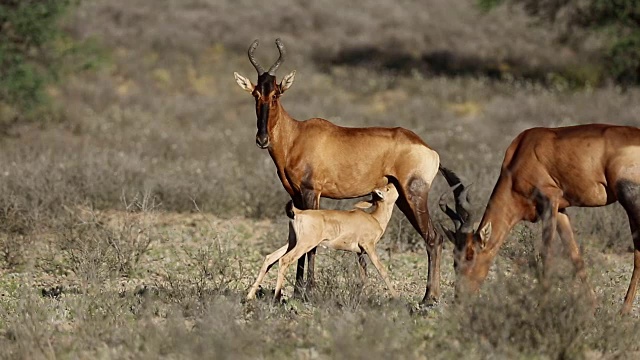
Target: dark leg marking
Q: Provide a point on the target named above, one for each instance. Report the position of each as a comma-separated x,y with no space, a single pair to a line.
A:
413,203
547,211
628,193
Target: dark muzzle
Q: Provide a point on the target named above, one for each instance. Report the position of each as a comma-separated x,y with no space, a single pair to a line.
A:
262,140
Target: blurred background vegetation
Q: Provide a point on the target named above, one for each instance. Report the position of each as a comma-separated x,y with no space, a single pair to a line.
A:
617,22
135,207
109,100
35,52
36,49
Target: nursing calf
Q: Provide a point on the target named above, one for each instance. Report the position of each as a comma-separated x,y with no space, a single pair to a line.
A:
353,230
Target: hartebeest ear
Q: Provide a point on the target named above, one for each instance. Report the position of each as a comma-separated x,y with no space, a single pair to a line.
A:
287,81
485,235
363,205
244,83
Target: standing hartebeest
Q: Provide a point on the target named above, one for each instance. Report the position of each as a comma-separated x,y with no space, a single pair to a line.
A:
315,158
545,171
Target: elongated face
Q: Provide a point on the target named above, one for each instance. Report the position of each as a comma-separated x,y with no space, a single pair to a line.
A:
464,256
266,92
470,261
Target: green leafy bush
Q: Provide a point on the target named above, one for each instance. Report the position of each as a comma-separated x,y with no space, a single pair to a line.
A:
34,51
618,20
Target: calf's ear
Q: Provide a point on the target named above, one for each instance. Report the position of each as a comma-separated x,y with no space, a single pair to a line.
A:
363,205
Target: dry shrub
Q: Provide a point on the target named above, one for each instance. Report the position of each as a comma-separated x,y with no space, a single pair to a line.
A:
86,247
517,316
99,246
16,226
134,233
12,250
604,229
164,122
338,282
212,271
376,331
27,328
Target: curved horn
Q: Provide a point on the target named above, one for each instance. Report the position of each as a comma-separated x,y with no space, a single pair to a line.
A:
276,65
255,64
463,206
457,221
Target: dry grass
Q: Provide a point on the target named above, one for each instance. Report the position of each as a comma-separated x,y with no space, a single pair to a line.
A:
133,227
185,300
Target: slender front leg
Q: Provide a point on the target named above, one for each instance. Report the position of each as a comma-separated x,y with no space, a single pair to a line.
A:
371,251
434,253
547,208
566,235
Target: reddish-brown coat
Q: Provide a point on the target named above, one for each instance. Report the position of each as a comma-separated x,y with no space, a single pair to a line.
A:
315,158
546,170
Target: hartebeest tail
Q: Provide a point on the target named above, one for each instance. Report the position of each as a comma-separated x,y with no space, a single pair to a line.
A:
354,230
545,171
315,158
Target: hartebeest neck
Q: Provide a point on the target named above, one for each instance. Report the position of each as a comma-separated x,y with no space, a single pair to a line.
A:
503,212
383,213
282,130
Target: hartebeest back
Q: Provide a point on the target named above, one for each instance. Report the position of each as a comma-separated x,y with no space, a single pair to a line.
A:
545,171
315,158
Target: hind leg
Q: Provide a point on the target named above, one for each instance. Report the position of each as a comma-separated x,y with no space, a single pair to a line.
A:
633,284
547,209
362,265
268,263
628,193
413,204
307,200
298,251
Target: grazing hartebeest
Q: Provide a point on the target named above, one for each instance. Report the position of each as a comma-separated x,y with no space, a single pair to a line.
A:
315,158
545,171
